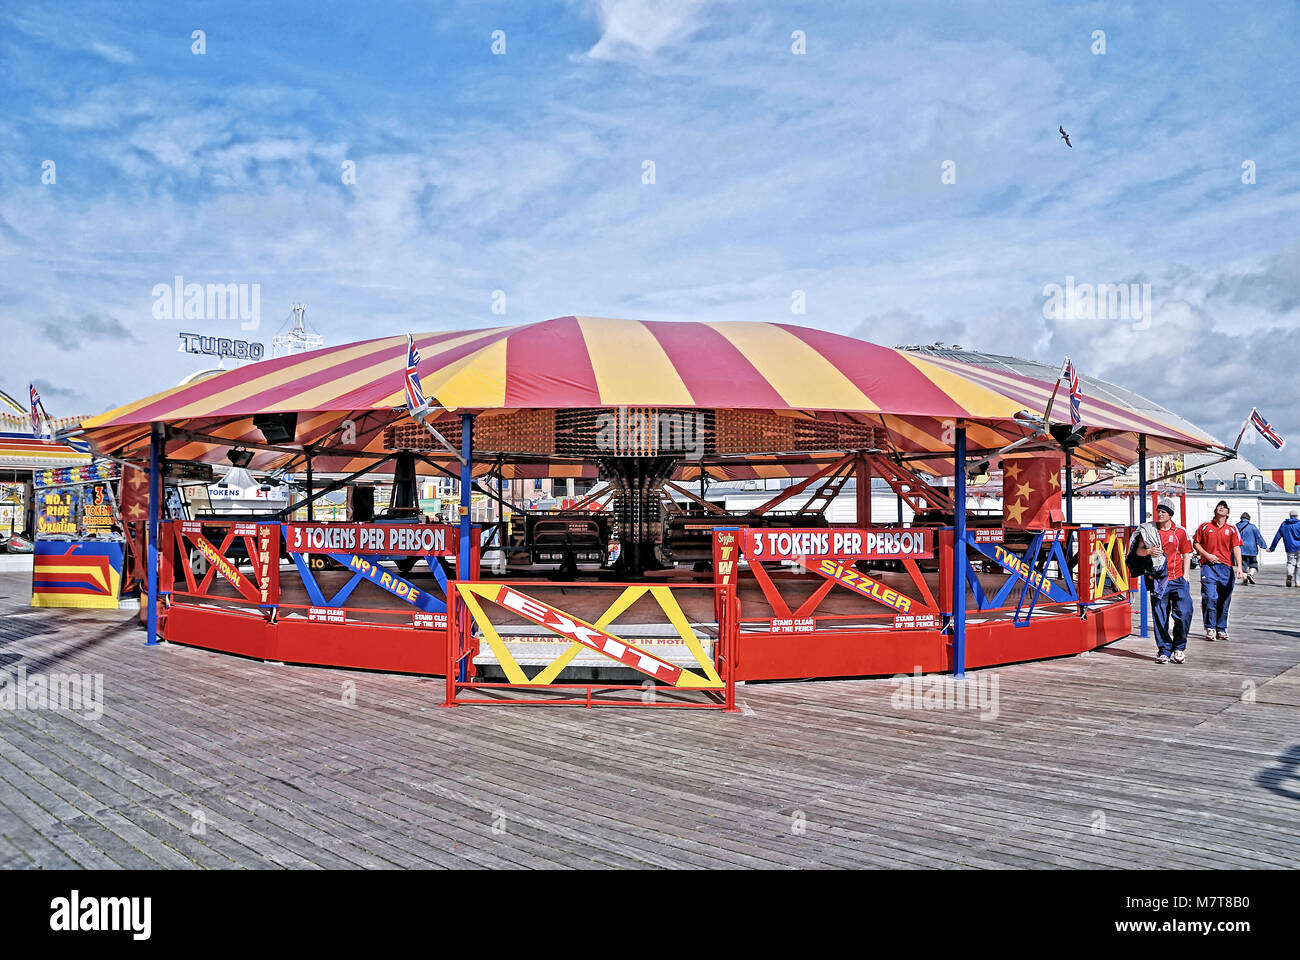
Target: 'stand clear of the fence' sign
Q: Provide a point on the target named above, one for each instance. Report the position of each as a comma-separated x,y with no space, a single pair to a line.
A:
914,621
386,539
792,625
842,544
999,535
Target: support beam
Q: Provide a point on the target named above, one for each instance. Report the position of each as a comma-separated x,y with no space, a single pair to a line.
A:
1069,488
862,478
463,554
712,508
1142,518
911,486
157,447
479,487
829,470
959,553
335,485
466,489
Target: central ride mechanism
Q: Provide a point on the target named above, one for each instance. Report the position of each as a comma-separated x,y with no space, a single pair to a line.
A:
636,451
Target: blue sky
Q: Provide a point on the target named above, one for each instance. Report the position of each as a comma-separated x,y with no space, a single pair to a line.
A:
775,172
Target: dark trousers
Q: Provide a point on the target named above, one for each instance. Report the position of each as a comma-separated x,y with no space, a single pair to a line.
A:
1171,597
1217,580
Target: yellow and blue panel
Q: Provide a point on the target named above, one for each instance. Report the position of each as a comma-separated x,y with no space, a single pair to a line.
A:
86,575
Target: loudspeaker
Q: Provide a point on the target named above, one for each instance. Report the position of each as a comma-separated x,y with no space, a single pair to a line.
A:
361,504
277,427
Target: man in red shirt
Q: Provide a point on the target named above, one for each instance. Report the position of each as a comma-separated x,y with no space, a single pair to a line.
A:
1170,593
1218,543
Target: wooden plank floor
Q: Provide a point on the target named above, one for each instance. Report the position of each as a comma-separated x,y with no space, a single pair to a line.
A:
207,760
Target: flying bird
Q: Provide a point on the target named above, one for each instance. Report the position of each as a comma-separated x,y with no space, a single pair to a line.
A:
1066,137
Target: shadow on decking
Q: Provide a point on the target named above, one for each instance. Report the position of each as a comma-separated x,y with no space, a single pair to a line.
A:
1283,779
1114,651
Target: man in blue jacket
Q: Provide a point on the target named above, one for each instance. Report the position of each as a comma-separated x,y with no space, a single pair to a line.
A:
1289,534
1251,541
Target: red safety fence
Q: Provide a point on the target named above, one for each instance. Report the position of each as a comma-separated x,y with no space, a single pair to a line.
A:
225,585
784,603
865,601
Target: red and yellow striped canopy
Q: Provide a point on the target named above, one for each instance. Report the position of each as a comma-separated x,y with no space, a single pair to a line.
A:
582,362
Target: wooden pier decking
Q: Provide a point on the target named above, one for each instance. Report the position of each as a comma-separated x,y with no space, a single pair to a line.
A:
210,760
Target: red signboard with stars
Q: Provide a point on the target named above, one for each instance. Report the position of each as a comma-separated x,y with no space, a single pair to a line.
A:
1031,492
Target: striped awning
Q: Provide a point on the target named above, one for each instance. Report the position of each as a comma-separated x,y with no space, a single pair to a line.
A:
583,362
27,452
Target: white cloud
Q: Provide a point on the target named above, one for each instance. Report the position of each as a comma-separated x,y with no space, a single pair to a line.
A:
638,29
111,52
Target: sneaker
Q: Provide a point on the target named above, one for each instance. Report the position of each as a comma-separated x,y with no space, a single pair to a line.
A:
1210,635
1288,579
1179,656
1162,659
1223,636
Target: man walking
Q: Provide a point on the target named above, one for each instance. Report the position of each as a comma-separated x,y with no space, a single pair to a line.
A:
1251,541
1219,545
1289,534
1168,587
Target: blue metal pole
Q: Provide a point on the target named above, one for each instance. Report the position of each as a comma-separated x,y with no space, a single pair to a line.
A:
959,554
463,557
1142,518
1069,488
156,449
466,484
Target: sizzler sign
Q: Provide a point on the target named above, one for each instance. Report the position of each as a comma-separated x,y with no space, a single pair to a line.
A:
840,544
869,587
386,539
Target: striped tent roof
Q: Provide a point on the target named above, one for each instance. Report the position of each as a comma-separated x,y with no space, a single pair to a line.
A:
581,362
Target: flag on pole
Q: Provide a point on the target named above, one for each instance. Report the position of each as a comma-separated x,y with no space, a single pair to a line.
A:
1071,377
416,404
36,407
1266,430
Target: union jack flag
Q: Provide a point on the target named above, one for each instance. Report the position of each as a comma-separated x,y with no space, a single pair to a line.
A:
416,404
36,406
1071,376
1266,430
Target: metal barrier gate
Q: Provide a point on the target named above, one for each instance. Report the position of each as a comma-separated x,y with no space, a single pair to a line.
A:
505,615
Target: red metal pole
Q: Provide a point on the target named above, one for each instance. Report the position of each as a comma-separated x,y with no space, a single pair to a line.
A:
863,479
733,644
166,575
452,635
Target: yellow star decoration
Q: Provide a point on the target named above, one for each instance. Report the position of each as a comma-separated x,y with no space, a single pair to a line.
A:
1017,510
1012,471
1024,490
1054,480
